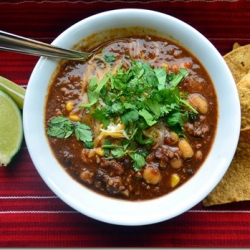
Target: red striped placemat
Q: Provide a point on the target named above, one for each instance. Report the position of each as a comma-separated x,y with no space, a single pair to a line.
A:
31,215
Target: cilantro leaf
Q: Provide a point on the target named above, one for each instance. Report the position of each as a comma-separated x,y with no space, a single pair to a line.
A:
83,132
175,79
154,107
118,80
89,144
118,152
139,161
94,91
174,118
142,141
161,76
148,117
183,71
60,127
131,144
137,68
109,58
102,115
129,117
129,105
175,121
117,107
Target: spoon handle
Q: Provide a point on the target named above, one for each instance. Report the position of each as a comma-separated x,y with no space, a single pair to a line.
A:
19,44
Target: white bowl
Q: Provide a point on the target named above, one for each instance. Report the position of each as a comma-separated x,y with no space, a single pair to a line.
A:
117,211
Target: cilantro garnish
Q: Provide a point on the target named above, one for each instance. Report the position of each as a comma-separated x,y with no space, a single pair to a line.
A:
127,103
129,116
175,79
62,127
138,159
83,132
109,58
139,97
94,90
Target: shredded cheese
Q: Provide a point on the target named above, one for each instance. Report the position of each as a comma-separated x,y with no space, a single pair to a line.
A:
115,131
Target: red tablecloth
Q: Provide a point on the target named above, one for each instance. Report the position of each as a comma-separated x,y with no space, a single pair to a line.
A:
32,216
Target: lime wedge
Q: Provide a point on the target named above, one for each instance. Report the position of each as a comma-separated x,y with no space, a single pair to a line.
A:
15,91
11,128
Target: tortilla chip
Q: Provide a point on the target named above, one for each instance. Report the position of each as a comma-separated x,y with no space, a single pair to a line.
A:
244,94
245,81
238,61
236,46
235,185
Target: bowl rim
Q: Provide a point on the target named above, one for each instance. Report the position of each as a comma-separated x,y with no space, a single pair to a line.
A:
127,213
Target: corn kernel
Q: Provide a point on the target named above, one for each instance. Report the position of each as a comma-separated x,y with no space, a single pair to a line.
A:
69,106
100,151
174,180
74,118
165,65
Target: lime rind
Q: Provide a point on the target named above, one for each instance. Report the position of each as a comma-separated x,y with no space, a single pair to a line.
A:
11,129
15,91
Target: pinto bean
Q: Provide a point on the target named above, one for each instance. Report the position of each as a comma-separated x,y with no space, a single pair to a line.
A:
199,102
176,163
186,149
151,174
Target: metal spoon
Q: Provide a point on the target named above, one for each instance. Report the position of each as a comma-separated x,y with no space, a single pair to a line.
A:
19,44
